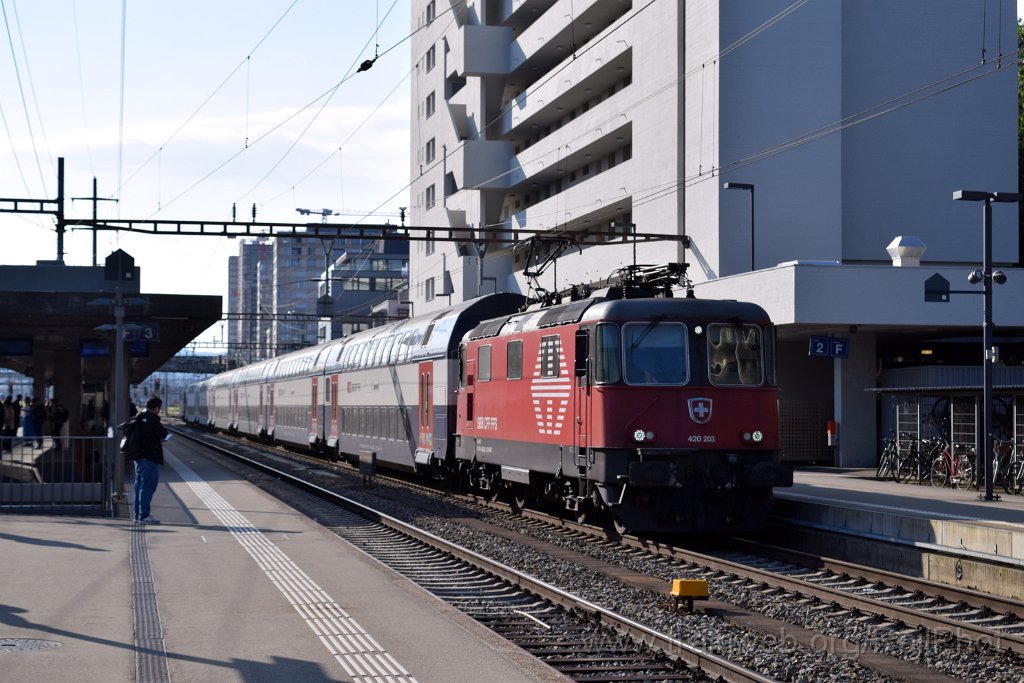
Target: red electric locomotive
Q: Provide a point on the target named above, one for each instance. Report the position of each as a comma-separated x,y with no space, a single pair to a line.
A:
660,413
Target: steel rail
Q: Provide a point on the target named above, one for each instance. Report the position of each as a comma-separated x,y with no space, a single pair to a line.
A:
694,656
907,615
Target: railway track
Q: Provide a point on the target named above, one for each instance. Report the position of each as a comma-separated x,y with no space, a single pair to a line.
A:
577,637
837,599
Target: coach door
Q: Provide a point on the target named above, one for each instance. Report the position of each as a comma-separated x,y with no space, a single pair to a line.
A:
581,397
261,417
271,416
314,417
426,403
334,409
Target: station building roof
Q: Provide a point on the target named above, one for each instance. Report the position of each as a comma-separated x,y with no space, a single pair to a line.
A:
52,315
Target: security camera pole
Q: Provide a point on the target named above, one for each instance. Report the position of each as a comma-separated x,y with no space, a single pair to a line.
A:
986,276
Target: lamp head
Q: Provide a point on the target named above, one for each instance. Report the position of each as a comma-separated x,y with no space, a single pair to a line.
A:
975,277
999,277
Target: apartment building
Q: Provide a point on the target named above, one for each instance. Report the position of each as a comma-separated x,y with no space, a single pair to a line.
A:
808,152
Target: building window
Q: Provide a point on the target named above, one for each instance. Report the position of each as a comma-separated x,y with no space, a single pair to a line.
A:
431,11
429,289
429,197
430,150
430,105
428,244
431,58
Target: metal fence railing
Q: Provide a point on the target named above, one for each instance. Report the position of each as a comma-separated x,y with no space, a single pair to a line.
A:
67,471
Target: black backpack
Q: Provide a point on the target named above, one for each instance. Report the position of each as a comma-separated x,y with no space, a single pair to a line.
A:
131,444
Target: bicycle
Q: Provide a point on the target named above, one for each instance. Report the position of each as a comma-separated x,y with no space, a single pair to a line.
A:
1002,457
888,462
952,470
1013,475
917,460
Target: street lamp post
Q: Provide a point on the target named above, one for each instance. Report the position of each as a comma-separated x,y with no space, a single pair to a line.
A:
746,186
986,276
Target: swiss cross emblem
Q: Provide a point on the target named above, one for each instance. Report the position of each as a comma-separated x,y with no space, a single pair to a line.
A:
700,410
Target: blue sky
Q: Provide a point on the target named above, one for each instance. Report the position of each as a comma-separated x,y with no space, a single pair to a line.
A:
224,101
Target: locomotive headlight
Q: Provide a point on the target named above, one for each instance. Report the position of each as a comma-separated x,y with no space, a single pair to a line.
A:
756,436
642,435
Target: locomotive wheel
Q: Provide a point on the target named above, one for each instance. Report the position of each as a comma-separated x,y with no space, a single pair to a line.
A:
585,513
517,497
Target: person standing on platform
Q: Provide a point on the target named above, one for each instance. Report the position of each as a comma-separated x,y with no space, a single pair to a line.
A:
7,426
27,434
58,416
38,415
17,417
149,460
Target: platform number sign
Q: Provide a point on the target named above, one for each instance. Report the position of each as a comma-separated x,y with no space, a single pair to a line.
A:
829,347
149,332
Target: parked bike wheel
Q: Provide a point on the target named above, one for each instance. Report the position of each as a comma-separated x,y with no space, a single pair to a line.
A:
909,469
888,463
963,477
1012,477
940,472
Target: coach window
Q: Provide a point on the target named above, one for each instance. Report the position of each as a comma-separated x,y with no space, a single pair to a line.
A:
549,352
654,352
514,360
483,364
607,368
734,355
390,345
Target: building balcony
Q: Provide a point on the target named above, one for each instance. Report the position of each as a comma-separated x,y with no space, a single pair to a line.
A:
592,135
480,164
479,51
550,38
587,205
521,13
608,64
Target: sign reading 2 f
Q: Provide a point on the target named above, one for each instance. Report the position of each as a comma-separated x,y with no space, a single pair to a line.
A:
833,347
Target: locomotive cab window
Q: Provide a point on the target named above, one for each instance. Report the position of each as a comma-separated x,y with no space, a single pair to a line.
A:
735,355
655,352
483,364
607,368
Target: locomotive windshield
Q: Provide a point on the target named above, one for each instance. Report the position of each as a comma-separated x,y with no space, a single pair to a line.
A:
735,354
655,353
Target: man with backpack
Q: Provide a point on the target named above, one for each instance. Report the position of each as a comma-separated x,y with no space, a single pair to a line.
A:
144,437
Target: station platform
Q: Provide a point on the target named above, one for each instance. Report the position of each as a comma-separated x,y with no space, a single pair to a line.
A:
946,535
231,586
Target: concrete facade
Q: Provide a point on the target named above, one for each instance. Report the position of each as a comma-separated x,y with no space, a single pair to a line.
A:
853,122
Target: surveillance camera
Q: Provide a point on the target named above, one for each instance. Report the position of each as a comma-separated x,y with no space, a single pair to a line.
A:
999,277
975,277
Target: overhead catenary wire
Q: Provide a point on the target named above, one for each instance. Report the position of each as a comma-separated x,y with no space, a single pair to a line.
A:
32,85
21,92
209,97
320,111
120,116
81,87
